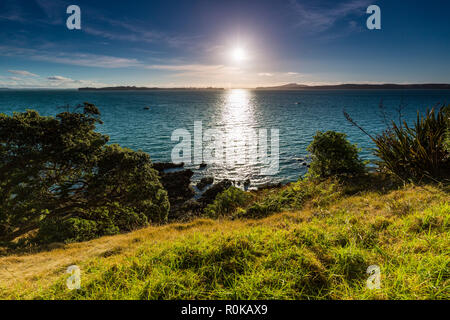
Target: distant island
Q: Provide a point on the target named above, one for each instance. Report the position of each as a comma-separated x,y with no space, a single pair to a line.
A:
132,88
295,86
290,86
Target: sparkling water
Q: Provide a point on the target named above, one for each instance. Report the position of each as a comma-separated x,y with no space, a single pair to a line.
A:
297,115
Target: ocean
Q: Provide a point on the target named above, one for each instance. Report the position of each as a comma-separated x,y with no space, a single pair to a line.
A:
298,115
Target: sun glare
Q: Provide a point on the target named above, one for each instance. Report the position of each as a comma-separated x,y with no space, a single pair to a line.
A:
238,54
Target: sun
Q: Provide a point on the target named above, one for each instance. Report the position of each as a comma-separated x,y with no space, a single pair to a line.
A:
238,54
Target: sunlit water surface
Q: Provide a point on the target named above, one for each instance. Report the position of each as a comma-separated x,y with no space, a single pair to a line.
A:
297,115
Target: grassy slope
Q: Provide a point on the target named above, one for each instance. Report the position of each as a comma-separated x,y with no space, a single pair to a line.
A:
321,251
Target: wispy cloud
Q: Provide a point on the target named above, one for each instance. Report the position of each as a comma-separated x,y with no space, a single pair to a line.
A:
58,78
55,82
23,73
321,17
11,11
77,59
88,60
187,67
120,30
54,10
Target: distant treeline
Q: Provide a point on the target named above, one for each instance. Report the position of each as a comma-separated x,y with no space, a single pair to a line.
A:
132,88
290,86
295,86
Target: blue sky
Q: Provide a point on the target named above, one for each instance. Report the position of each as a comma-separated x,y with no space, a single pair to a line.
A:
193,43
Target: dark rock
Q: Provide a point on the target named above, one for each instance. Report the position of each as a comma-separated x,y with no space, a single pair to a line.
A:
178,187
210,194
187,211
178,184
205,182
247,183
161,166
269,186
191,207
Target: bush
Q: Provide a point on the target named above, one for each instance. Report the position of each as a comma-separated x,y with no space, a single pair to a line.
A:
415,154
67,230
447,134
292,197
93,224
58,174
227,202
333,155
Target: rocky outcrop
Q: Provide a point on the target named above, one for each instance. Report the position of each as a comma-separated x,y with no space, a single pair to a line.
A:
161,166
204,183
177,185
270,186
210,194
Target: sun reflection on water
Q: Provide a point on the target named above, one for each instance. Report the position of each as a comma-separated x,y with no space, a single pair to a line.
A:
237,120
237,109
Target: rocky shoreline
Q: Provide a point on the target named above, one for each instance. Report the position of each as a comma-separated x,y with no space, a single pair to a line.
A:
184,204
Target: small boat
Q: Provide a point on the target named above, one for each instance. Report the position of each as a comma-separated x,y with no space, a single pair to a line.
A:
203,165
147,108
298,103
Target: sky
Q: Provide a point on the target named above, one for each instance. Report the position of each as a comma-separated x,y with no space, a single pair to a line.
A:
230,44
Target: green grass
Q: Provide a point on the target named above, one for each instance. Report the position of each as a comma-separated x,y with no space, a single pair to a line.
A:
318,247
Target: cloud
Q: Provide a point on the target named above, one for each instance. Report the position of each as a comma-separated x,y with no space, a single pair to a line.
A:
23,73
77,59
187,67
58,78
136,32
265,74
11,11
52,82
54,10
88,60
319,18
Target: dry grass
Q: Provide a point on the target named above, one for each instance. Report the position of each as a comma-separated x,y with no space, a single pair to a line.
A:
385,228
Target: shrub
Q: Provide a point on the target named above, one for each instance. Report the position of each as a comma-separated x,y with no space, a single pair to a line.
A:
333,155
415,153
58,174
292,197
227,202
95,223
447,134
67,230
289,198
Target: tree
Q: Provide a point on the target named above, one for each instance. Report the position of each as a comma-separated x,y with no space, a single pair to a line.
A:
333,155
53,169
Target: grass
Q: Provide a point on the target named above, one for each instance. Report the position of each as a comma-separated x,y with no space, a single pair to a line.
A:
318,247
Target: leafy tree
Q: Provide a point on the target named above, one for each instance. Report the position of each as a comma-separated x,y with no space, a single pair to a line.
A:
53,169
333,155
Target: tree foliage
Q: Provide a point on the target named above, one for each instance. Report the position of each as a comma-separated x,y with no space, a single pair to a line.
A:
333,155
58,169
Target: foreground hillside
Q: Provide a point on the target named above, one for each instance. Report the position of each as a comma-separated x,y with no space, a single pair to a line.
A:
321,251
